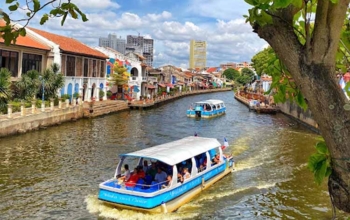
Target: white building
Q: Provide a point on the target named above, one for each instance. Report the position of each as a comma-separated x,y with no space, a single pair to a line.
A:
112,41
134,66
83,68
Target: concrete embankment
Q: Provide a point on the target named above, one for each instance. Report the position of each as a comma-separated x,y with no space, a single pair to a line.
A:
35,118
293,111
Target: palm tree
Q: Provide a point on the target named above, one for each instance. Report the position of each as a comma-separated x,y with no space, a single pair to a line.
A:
5,88
29,85
52,81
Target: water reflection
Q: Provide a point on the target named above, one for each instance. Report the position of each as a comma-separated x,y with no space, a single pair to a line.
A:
54,173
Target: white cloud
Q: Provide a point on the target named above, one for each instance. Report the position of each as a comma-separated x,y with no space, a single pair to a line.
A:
228,37
96,5
158,17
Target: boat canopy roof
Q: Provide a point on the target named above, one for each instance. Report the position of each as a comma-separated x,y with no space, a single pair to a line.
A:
175,152
211,102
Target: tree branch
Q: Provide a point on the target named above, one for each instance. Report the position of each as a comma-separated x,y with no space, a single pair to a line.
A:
328,23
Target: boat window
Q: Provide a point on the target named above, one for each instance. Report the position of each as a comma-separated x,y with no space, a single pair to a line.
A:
184,170
201,162
218,106
214,107
213,156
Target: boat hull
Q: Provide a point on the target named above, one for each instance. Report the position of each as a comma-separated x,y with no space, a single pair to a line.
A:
205,114
173,198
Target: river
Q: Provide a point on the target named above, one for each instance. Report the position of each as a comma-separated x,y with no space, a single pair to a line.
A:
54,173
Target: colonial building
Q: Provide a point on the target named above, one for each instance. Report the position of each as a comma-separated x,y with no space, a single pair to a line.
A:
84,68
133,65
27,54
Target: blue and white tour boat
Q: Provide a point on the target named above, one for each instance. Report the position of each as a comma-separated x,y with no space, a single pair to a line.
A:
166,176
207,109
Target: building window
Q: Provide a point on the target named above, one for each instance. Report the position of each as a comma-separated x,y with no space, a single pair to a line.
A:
31,62
86,68
9,60
103,66
94,68
70,66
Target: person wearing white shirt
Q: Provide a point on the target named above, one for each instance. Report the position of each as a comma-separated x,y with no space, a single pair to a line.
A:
125,177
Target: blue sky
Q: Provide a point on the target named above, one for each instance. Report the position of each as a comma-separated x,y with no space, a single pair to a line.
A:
172,24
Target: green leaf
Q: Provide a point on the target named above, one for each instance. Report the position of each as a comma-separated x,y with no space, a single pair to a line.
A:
36,5
28,14
301,101
72,13
9,1
83,16
22,32
281,3
315,161
334,1
64,18
322,147
297,3
44,18
320,174
13,7
251,2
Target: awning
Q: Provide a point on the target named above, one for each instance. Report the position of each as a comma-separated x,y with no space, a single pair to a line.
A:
151,87
161,85
170,85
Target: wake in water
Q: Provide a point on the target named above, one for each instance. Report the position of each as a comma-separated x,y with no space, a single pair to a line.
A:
95,206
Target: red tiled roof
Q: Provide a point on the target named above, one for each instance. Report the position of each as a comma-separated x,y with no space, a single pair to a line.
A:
211,69
26,41
70,45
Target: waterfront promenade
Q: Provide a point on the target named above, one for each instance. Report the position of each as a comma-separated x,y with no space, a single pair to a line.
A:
34,118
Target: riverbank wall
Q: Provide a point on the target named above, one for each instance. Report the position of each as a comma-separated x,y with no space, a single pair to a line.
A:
33,119
166,99
29,119
293,111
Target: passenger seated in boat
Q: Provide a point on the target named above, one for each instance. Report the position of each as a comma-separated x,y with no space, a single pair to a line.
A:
216,159
186,175
140,172
145,166
180,178
125,177
133,179
152,170
160,176
168,181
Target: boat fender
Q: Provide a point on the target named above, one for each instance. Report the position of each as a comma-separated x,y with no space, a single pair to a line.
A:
164,208
203,183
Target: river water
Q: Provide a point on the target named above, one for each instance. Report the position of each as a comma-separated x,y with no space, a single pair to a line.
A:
54,173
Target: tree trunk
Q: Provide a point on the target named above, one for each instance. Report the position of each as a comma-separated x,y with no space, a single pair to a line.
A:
313,69
326,101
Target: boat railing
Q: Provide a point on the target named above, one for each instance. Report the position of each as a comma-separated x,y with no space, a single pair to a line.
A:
140,186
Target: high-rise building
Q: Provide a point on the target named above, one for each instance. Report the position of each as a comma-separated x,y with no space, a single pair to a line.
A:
198,54
141,45
113,42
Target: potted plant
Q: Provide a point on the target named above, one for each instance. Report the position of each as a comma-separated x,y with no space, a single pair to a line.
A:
101,94
109,94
